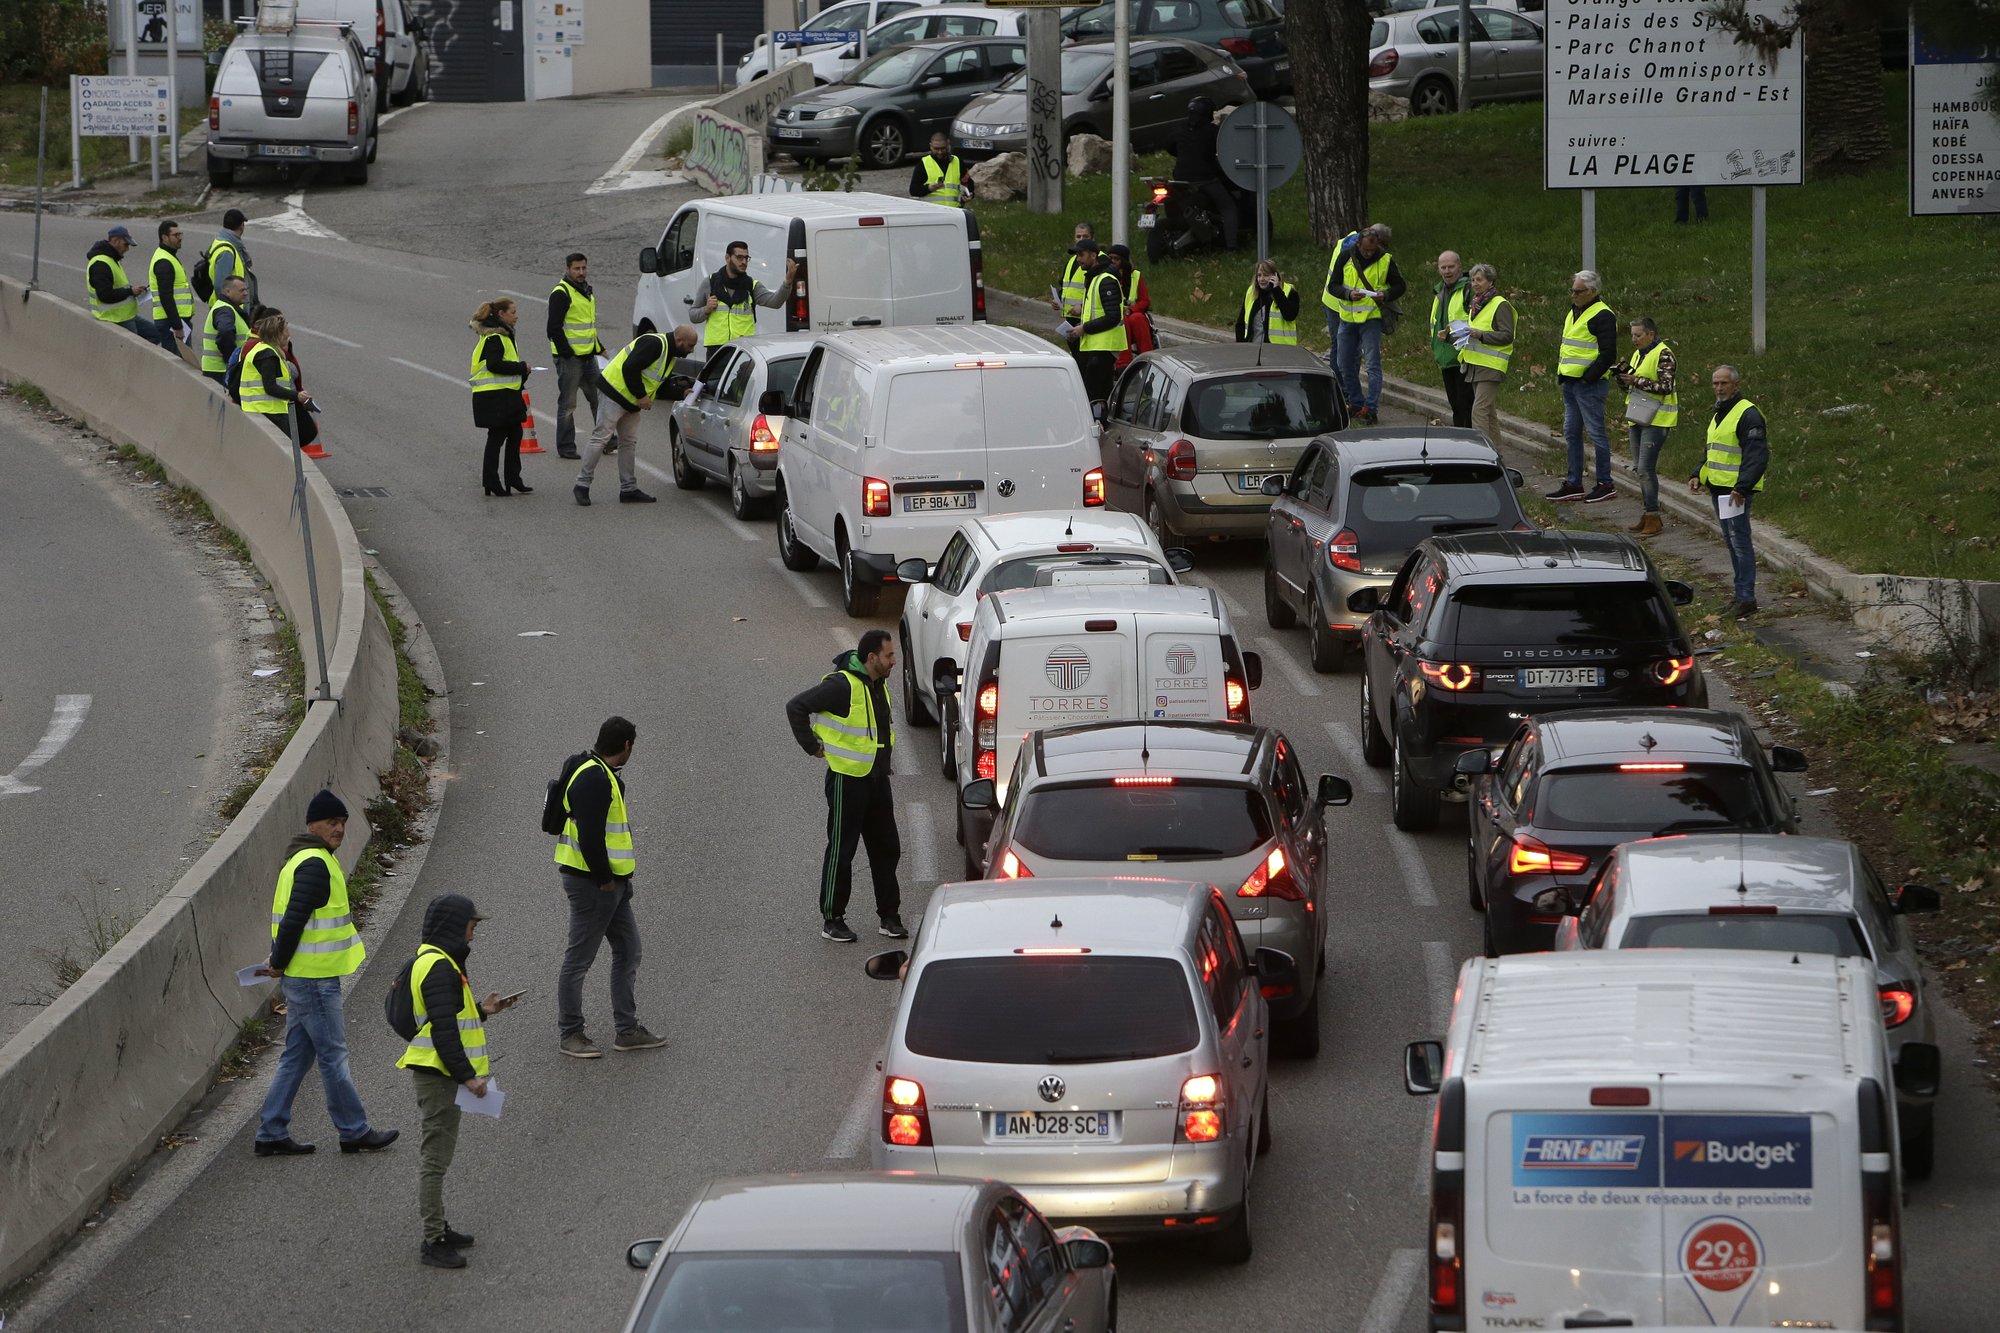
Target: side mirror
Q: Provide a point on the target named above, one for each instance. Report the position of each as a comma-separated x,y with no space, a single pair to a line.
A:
978,795
1087,1252
1473,763
772,403
932,81
641,1253
1919,1069
1423,1068
1102,94
1365,601
1514,476
1784,759
1274,485
887,966
1180,559
913,570
1682,593
1277,973
1555,901
1916,898
1253,670
373,53
944,680
649,260
1334,790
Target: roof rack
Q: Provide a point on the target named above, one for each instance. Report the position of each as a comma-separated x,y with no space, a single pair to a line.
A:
282,16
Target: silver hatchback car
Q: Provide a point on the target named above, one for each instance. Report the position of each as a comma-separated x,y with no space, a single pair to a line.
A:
293,99
1415,55
1101,1045
721,432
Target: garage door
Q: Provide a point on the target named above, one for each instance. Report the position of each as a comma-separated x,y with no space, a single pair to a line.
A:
684,34
476,49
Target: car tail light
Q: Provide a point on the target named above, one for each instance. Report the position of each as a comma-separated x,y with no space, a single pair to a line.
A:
1344,551
1144,780
1093,489
799,315
986,766
906,1121
964,628
1181,461
1898,1003
1447,1268
1238,46
214,113
1011,867
1201,1109
874,498
1383,64
978,283
1452,676
1673,670
1272,879
1532,856
1236,698
1159,194
1652,768
1621,1096
984,726
381,31
353,119
762,441
1743,909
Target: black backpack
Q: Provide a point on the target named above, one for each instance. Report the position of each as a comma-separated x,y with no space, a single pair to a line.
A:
555,808
199,279
399,1007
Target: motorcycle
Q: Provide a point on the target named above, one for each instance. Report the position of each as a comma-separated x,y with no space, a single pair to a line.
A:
1179,218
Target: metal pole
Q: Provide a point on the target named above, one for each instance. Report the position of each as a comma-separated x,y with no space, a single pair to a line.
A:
1464,55
718,64
1121,119
154,140
306,532
1263,182
75,132
1757,236
1590,229
41,165
1045,128
173,89
132,67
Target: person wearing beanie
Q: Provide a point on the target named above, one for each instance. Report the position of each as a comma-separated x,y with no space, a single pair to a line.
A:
227,255
443,1057
313,945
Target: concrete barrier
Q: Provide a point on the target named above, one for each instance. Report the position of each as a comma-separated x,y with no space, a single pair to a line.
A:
726,148
88,1088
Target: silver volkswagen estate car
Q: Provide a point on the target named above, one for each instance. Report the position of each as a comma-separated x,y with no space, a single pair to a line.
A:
1101,1045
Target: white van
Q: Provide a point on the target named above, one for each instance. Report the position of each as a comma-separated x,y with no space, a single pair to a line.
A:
1684,1137
1084,652
865,261
893,437
399,41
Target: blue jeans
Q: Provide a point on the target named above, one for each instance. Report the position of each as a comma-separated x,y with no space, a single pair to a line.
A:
314,1030
1742,556
1583,410
160,335
1647,441
1354,344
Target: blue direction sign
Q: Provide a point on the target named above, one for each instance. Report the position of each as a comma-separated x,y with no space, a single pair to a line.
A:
810,37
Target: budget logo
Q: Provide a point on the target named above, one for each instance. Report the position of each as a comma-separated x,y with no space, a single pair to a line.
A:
1739,1151
1182,658
1067,667
1589,1152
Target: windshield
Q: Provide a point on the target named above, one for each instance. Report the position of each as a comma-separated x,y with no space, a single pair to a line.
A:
1800,932
1080,69
1692,800
1400,506
892,69
845,19
1010,575
823,1291
1063,1010
1184,822
1263,406
1632,612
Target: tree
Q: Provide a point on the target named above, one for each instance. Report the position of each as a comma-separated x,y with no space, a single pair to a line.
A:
1329,45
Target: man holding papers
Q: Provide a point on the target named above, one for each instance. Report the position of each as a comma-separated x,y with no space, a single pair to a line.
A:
1733,470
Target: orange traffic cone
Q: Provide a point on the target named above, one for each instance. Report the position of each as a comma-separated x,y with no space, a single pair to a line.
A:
315,450
529,444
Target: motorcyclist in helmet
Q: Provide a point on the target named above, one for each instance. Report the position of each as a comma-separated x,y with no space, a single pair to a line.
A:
1196,163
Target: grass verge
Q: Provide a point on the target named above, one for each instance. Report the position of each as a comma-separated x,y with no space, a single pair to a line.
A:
20,121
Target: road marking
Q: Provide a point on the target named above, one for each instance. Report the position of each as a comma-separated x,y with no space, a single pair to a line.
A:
922,844
300,328
1350,755
402,111
1416,875
296,221
508,291
623,177
64,723
729,521
1302,681
1392,1293
57,263
1442,975
426,370
798,580
844,637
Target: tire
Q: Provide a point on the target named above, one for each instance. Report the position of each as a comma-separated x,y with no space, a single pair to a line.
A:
883,142
1413,807
915,711
221,176
1156,519
1486,942
857,598
685,476
357,173
973,869
1300,1036
948,749
1473,896
793,552
1920,1149
1234,1243
1277,611
741,502
1328,653
1433,97
381,91
1157,243
1264,1140
374,143
1374,745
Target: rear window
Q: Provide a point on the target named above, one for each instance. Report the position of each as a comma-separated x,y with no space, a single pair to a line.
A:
1378,34
783,375
1062,1010
1262,407
1599,613
279,69
1011,575
1412,503
1184,822
856,1292
1692,800
1816,932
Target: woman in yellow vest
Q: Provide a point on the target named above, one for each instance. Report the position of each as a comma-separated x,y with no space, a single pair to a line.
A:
1270,311
497,377
1488,349
268,383
1651,409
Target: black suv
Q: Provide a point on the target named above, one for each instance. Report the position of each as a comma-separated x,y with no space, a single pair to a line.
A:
1481,631
1571,786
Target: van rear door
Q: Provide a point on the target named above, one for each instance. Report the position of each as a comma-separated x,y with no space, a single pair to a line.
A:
1040,439
1067,672
1185,671
906,269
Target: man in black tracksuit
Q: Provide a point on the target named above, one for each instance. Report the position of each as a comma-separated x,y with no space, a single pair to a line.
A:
860,808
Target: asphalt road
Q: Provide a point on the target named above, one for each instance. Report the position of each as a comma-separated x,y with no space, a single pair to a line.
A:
681,618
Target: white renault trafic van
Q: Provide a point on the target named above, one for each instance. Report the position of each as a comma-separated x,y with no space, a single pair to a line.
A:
893,437
865,261
1681,1137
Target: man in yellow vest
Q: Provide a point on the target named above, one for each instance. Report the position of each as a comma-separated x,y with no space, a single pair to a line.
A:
1098,333
595,861
939,176
845,720
173,292
626,387
223,328
573,341
314,943
1067,299
1651,408
227,255
1362,283
728,308
114,298
1448,300
448,1053
1588,351
1739,451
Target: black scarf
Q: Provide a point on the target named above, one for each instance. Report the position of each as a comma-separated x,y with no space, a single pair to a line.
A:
729,290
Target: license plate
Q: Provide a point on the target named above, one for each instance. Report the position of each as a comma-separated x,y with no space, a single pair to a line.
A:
1557,678
1051,1124
1249,481
930,504
977,143
284,150
1146,221
789,134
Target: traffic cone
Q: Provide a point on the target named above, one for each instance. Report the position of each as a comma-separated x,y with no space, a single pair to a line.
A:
314,450
529,444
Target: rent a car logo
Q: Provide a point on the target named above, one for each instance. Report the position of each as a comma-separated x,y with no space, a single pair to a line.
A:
1610,1153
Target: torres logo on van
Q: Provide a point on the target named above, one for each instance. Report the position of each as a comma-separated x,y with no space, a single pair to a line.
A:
1182,658
1068,667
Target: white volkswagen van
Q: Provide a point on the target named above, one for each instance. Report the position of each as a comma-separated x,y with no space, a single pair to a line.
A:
1680,1137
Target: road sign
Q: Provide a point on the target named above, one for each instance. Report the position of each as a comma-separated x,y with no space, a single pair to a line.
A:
1954,137
809,37
113,104
1259,148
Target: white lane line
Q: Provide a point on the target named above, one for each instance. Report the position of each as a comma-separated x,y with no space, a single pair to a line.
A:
64,723
300,328
921,844
54,263
296,221
1416,875
1350,755
622,177
855,1126
798,580
402,111
1392,1293
1441,975
728,520
846,638
508,291
1275,654
458,380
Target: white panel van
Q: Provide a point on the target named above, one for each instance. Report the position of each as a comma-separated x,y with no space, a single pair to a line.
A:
865,261
1682,1137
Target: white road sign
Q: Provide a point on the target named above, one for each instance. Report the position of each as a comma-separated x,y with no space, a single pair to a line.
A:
1954,135
115,104
1650,93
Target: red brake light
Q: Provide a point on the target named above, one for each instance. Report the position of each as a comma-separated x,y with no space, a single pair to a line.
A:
1237,698
986,766
1143,780
906,1121
761,438
353,118
1673,670
1444,1257
1159,194
869,222
1271,879
1344,551
1621,1096
989,699
1201,1109
1885,1278
1011,867
978,282
1238,46
874,498
1385,63
1181,461
214,113
1897,1006
1093,493
1743,909
1531,856
1077,548
1452,676
1202,1126
964,628
1651,768
1052,951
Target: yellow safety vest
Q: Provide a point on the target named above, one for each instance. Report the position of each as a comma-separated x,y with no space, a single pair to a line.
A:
1494,356
1579,347
183,293
115,312
579,321
943,182
242,268
1112,339
251,391
1277,329
1372,277
422,1051
652,376
852,740
1072,286
617,828
330,945
1443,314
1646,365
727,322
1725,452
213,362
483,378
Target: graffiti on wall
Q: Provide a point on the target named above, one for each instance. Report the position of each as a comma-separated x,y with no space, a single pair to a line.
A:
725,155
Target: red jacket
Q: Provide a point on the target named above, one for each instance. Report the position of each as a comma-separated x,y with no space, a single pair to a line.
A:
1138,321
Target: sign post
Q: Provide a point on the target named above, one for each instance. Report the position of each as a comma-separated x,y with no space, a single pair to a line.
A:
1259,147
115,104
1121,118
1954,135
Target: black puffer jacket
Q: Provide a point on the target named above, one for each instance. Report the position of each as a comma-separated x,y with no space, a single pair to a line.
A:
444,926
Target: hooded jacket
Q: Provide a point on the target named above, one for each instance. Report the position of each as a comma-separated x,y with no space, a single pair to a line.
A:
830,696
311,887
444,926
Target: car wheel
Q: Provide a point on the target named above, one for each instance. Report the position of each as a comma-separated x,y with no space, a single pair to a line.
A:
1264,1126
357,173
1300,1036
1374,745
883,142
685,477
915,711
221,176
1486,943
948,747
1233,1244
381,92
857,598
1328,653
1157,520
1277,611
741,503
1413,807
1920,1147
1472,893
793,552
1433,97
